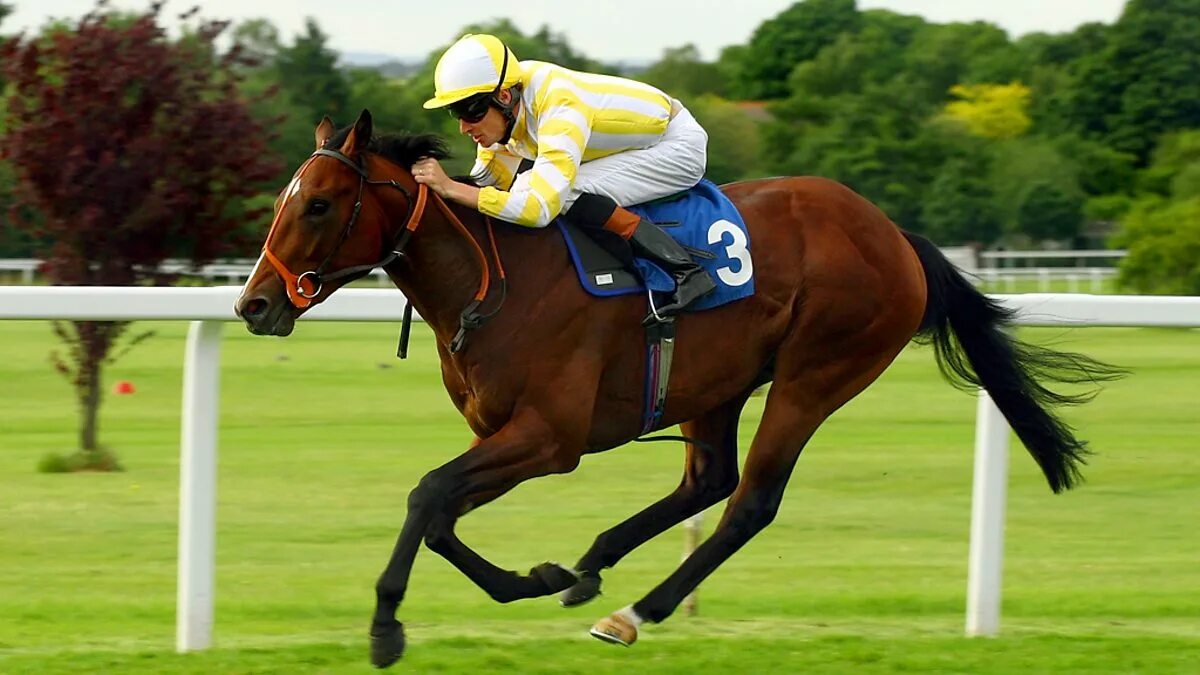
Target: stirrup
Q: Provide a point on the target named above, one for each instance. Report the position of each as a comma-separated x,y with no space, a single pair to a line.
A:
653,317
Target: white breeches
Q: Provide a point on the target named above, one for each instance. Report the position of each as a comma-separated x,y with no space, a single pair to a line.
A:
674,164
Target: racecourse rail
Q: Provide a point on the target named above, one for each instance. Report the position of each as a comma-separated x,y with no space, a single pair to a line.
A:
208,308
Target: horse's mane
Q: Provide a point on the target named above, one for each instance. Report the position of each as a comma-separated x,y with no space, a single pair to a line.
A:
403,149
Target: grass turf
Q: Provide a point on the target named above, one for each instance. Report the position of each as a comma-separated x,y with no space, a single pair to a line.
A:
323,434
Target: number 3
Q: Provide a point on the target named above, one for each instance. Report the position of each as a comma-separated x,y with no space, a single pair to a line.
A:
735,251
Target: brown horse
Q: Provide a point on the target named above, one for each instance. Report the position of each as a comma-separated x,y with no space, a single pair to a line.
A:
840,290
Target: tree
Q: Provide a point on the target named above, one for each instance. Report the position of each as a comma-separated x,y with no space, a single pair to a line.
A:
258,39
733,143
877,141
683,74
307,72
1047,212
959,206
131,148
1019,163
796,35
1101,169
1163,240
996,111
943,55
1143,82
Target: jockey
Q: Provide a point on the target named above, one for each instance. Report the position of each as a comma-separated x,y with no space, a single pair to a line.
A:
596,143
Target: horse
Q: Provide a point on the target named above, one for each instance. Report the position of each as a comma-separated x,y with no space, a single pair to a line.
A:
554,374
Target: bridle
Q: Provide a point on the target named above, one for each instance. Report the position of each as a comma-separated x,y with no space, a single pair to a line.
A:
303,289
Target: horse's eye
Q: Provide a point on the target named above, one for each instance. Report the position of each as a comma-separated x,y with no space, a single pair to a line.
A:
318,207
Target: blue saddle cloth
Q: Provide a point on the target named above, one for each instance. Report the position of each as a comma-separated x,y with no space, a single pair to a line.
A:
702,219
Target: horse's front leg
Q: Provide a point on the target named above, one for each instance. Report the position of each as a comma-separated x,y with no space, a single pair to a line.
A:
710,475
527,447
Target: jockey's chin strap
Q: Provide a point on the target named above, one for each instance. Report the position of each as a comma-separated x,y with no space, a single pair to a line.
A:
303,289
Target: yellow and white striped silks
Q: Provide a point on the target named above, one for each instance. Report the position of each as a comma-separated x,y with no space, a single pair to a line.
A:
566,119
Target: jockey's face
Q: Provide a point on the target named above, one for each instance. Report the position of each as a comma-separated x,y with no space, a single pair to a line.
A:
490,129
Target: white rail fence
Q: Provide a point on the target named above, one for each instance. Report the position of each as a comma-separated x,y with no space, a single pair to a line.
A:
993,268
208,308
1007,268
231,271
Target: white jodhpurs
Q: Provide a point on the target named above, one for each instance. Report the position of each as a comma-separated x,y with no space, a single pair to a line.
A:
674,164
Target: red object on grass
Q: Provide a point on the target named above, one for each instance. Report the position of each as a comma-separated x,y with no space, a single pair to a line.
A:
123,387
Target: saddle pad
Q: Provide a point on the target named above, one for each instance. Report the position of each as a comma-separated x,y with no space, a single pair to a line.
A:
703,219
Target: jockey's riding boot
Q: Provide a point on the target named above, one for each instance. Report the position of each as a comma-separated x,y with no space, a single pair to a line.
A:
691,281
638,236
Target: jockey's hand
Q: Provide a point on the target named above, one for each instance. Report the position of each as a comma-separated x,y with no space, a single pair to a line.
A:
429,171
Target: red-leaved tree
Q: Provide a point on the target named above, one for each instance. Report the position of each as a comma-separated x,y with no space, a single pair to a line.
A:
129,148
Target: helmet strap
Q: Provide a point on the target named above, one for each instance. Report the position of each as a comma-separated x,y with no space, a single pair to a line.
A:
506,109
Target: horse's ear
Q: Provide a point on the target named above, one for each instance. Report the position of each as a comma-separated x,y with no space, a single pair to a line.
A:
359,136
324,131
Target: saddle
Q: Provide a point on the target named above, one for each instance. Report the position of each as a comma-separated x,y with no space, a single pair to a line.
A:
702,220
707,224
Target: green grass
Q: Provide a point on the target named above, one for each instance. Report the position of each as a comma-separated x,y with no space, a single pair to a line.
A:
324,434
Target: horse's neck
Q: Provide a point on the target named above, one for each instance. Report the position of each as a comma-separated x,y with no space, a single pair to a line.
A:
440,271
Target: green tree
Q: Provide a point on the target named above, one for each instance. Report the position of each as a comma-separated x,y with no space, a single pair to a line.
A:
1100,169
1143,82
1163,240
1019,163
795,35
683,74
384,98
960,206
733,142
1047,212
307,72
943,55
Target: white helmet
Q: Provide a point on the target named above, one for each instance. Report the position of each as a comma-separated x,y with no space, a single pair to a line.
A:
475,64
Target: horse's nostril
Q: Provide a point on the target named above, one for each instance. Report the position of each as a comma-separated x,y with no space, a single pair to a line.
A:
255,308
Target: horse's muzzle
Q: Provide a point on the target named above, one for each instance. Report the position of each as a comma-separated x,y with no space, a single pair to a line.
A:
264,316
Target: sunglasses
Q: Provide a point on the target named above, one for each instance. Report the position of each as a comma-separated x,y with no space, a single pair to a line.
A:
471,109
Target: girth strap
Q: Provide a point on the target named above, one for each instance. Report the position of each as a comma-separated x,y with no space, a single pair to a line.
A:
660,350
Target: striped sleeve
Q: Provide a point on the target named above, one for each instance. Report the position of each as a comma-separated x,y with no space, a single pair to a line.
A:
563,131
494,167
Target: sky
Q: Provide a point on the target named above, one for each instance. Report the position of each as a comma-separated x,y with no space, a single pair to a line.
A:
610,30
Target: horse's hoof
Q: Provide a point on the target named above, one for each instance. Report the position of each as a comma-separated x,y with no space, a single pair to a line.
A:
554,577
615,629
587,588
387,645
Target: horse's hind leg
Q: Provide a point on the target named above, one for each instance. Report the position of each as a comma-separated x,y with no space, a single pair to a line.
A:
810,384
709,475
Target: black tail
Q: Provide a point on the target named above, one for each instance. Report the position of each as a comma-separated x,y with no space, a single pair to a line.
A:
974,349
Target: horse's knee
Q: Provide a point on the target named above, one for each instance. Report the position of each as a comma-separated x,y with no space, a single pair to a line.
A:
753,516
431,492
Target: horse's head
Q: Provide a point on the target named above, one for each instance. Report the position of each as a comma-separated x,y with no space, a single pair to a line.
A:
329,229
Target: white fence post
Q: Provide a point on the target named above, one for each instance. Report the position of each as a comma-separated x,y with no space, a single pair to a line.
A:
691,541
987,519
198,487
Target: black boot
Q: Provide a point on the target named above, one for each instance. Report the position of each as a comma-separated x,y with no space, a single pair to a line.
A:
601,216
691,281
